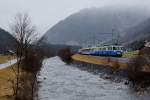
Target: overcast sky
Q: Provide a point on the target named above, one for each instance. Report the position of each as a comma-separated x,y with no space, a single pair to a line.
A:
46,13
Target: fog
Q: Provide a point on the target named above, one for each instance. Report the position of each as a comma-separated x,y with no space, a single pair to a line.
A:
45,13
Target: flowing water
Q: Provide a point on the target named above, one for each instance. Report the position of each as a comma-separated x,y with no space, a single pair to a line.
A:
59,81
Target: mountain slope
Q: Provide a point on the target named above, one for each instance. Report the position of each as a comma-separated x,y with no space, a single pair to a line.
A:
139,32
89,25
7,41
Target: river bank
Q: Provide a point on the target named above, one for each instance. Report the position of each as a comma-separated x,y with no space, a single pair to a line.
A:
132,71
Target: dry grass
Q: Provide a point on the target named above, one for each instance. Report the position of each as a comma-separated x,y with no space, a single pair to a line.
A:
6,88
7,77
89,59
4,59
131,54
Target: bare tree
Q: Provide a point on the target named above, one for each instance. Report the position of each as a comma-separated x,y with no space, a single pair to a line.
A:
25,34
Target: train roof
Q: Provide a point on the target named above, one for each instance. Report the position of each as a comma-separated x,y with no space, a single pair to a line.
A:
109,46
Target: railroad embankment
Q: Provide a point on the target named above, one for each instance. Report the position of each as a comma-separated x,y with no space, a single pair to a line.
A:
135,69
121,63
139,63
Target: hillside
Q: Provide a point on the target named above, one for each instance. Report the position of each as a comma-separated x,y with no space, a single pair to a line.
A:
54,49
92,24
7,41
139,32
135,36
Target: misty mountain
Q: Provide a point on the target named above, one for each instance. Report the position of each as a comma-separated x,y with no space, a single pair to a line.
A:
7,41
135,36
139,32
92,24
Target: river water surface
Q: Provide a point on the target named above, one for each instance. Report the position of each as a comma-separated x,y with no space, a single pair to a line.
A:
59,81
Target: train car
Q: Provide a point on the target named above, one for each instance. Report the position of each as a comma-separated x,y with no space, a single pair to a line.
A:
113,50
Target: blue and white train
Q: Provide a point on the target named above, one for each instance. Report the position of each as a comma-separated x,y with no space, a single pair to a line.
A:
113,50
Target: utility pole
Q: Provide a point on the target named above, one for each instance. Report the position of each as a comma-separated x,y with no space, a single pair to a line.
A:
112,36
115,38
118,36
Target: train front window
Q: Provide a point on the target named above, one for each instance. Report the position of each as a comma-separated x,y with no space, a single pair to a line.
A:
85,50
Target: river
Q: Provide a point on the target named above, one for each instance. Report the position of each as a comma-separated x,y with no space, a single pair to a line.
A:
8,64
59,81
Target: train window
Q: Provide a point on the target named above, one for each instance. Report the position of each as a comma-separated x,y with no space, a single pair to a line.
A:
109,48
97,49
117,48
93,49
114,48
120,48
104,48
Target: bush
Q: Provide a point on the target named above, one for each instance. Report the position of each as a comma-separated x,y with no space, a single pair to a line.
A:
30,65
33,60
65,54
137,66
145,52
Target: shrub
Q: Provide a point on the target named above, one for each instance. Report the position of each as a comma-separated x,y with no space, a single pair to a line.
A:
33,61
137,66
65,54
30,64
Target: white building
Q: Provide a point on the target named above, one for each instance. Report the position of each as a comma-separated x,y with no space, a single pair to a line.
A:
147,44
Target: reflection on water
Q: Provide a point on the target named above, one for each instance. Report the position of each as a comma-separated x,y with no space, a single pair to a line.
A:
62,82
